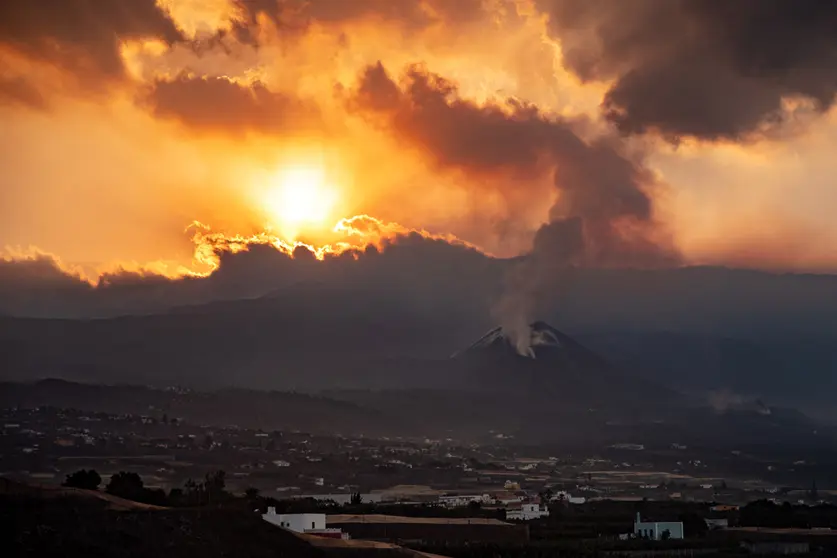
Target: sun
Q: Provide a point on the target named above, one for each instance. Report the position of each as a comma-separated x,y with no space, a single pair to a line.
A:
300,198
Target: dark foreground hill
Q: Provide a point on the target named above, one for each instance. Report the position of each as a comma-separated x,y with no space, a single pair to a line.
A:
46,522
77,526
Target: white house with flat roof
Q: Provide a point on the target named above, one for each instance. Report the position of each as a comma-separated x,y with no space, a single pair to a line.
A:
657,530
296,522
308,523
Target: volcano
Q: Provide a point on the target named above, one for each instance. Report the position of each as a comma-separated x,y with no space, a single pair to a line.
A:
544,341
556,369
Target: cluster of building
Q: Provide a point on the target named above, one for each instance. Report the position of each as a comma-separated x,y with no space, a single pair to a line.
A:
46,444
519,505
479,530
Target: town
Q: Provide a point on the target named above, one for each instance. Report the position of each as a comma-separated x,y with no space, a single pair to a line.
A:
426,490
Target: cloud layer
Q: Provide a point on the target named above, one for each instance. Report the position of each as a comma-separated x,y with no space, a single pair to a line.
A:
216,104
519,126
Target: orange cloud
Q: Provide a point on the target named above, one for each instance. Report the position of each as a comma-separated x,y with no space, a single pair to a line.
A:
81,36
353,234
217,104
123,121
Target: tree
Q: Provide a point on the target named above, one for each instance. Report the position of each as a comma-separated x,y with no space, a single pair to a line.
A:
214,485
665,535
251,493
89,480
356,499
154,496
474,505
126,485
546,495
693,524
815,495
193,493
176,497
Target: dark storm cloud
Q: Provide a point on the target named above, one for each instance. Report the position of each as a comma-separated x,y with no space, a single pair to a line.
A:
705,68
598,184
81,35
38,286
604,213
410,271
218,104
39,271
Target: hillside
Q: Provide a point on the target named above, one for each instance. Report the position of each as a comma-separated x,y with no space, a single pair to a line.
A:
74,526
250,408
694,330
45,522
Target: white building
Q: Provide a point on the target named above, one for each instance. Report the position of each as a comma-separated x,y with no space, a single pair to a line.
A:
655,530
527,512
296,522
308,523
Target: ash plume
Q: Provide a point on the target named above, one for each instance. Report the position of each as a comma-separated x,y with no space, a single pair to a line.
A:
604,215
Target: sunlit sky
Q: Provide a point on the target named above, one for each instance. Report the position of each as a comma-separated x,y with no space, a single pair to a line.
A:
248,121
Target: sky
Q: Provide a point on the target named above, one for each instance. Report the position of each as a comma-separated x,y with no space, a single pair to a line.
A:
154,136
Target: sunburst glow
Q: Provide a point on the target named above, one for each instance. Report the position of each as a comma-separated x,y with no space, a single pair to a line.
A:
300,198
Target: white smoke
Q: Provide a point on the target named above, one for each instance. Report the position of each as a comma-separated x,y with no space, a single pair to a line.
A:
515,308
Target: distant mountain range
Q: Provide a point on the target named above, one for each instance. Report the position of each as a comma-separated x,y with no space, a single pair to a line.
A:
659,354
697,331
560,392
